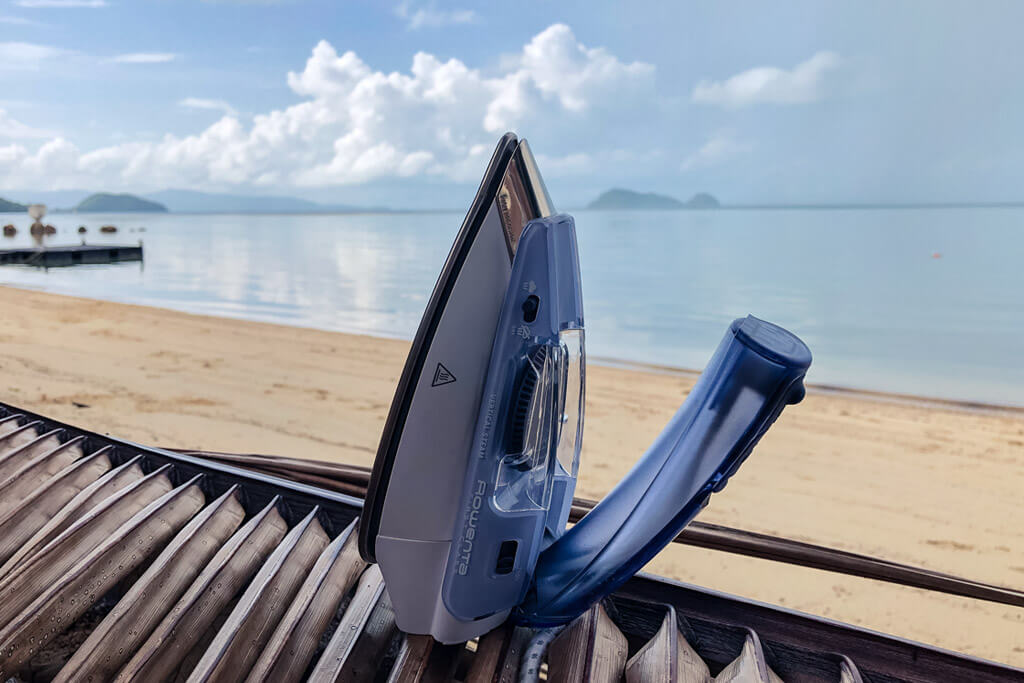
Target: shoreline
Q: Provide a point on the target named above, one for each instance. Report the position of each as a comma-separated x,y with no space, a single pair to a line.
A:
900,398
933,485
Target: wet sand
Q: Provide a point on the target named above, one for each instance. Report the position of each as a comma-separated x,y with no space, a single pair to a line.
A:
931,484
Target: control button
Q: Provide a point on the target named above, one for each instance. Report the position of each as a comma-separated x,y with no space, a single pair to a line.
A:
530,308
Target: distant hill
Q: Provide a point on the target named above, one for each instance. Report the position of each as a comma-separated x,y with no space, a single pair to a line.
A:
191,201
628,199
11,207
118,203
703,200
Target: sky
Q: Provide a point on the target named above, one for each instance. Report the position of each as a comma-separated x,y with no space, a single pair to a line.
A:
400,102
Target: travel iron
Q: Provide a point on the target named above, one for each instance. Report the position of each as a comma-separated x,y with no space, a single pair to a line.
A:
470,493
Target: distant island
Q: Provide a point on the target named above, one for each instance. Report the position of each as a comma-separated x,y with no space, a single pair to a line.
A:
628,199
192,201
11,207
103,202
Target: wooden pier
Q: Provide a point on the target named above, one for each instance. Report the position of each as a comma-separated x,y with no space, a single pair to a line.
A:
71,255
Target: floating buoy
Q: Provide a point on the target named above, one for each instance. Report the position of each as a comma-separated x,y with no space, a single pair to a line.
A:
936,254
10,230
108,228
82,230
49,230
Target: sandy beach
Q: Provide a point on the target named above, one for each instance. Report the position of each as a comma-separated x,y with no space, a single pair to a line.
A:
926,483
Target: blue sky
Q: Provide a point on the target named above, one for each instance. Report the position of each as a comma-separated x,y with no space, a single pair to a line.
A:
399,103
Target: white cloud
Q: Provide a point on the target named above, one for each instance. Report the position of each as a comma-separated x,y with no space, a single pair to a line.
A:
203,103
717,150
16,130
17,55
61,3
144,58
431,17
769,84
17,21
355,124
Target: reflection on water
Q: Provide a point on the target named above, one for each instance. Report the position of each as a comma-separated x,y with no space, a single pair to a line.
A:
860,286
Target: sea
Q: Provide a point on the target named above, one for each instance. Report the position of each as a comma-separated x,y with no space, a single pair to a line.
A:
921,301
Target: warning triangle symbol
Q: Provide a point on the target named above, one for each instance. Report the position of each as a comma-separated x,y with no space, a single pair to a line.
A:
442,375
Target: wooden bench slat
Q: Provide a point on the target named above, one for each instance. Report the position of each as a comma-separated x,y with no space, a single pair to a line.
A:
292,644
667,658
592,648
750,666
207,598
332,661
36,471
27,581
146,603
70,593
40,505
106,488
241,640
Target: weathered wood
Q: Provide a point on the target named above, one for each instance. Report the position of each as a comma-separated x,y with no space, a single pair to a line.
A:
240,641
39,506
848,672
74,591
750,666
490,650
10,423
149,599
14,459
28,580
102,489
589,649
363,663
18,437
512,657
332,661
413,659
667,658
208,597
423,660
292,644
442,664
35,471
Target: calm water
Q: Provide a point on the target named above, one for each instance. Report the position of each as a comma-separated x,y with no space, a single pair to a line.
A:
860,286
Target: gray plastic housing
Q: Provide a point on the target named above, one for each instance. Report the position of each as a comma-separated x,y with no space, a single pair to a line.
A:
417,524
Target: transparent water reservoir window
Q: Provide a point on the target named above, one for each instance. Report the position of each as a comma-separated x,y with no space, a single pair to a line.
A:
547,425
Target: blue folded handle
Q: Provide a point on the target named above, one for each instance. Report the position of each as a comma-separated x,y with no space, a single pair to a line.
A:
756,371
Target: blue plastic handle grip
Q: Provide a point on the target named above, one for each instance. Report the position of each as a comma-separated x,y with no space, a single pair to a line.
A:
756,371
